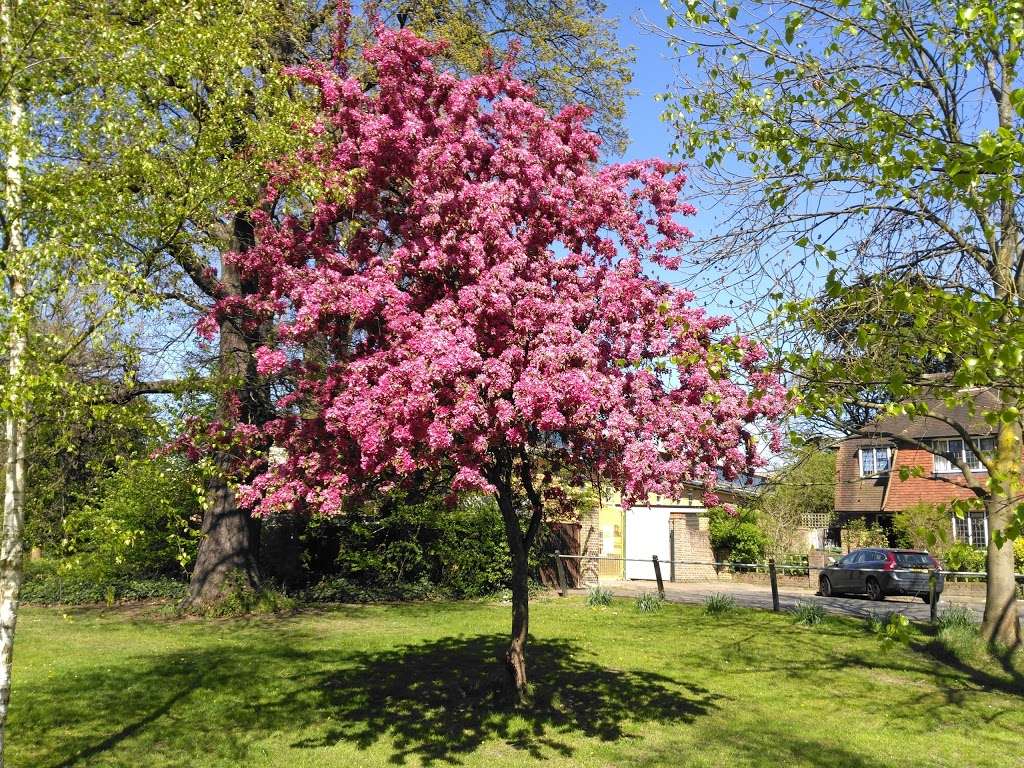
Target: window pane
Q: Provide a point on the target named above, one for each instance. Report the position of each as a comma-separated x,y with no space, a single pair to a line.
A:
913,560
949,449
867,461
881,459
960,529
978,529
972,460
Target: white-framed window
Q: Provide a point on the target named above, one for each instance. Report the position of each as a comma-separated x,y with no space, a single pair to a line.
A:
874,460
972,529
954,448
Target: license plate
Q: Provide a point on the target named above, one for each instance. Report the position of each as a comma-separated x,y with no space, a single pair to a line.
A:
919,570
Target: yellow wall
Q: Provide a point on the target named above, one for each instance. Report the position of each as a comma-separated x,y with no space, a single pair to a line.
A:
612,520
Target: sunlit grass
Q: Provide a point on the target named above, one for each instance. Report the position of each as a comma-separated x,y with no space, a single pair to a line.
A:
419,684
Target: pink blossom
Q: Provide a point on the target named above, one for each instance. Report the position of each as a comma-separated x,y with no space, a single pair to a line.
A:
494,298
269,361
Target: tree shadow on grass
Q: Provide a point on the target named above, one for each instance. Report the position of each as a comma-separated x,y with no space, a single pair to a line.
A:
442,699
432,702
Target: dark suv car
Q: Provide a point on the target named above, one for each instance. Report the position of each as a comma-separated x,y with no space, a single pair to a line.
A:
880,572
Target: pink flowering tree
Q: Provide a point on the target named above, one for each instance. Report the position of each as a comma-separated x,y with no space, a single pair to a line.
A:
455,285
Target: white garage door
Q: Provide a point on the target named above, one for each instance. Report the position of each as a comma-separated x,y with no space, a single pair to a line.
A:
647,534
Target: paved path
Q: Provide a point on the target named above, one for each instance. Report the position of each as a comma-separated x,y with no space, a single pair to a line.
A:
758,596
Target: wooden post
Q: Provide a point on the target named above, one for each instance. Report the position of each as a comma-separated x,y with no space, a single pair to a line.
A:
775,584
560,570
657,575
933,597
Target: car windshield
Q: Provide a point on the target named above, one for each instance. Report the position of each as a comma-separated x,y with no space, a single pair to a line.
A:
913,559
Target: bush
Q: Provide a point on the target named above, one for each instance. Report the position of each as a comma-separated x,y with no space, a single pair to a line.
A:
719,604
736,538
44,583
808,614
923,526
649,602
398,547
599,597
963,557
857,534
338,589
796,565
144,524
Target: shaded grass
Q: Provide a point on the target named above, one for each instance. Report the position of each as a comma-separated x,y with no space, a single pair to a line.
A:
416,685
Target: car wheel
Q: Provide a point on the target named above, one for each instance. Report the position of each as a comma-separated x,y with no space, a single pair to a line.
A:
874,590
825,587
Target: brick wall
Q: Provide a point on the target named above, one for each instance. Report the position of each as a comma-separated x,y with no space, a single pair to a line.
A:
691,541
590,545
914,490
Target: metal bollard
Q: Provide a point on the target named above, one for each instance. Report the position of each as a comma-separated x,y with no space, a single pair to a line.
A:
560,570
933,597
773,576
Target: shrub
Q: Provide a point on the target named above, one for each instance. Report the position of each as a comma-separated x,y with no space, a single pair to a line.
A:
144,524
963,557
956,616
398,547
47,585
599,597
857,533
338,589
649,602
719,604
736,538
808,614
923,526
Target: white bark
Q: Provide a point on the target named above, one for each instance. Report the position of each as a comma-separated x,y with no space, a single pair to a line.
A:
11,547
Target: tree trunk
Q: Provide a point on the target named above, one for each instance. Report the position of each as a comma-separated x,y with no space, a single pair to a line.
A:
230,536
515,656
1001,624
228,544
519,549
12,548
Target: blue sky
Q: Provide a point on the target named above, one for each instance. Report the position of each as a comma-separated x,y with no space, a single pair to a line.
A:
653,74
657,70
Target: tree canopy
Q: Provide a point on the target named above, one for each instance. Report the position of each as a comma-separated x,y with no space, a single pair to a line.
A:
872,152
475,289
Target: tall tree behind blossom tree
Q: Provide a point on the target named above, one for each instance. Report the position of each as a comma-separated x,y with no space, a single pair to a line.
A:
176,145
477,287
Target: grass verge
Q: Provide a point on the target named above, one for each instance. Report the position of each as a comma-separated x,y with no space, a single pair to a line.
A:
415,685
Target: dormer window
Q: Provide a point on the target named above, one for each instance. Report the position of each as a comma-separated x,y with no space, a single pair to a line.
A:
874,460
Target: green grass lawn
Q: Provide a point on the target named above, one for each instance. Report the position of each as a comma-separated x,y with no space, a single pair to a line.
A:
412,685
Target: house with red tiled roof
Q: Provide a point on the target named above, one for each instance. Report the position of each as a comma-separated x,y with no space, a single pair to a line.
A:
869,485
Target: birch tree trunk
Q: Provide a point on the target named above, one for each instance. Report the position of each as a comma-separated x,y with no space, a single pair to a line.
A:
14,512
